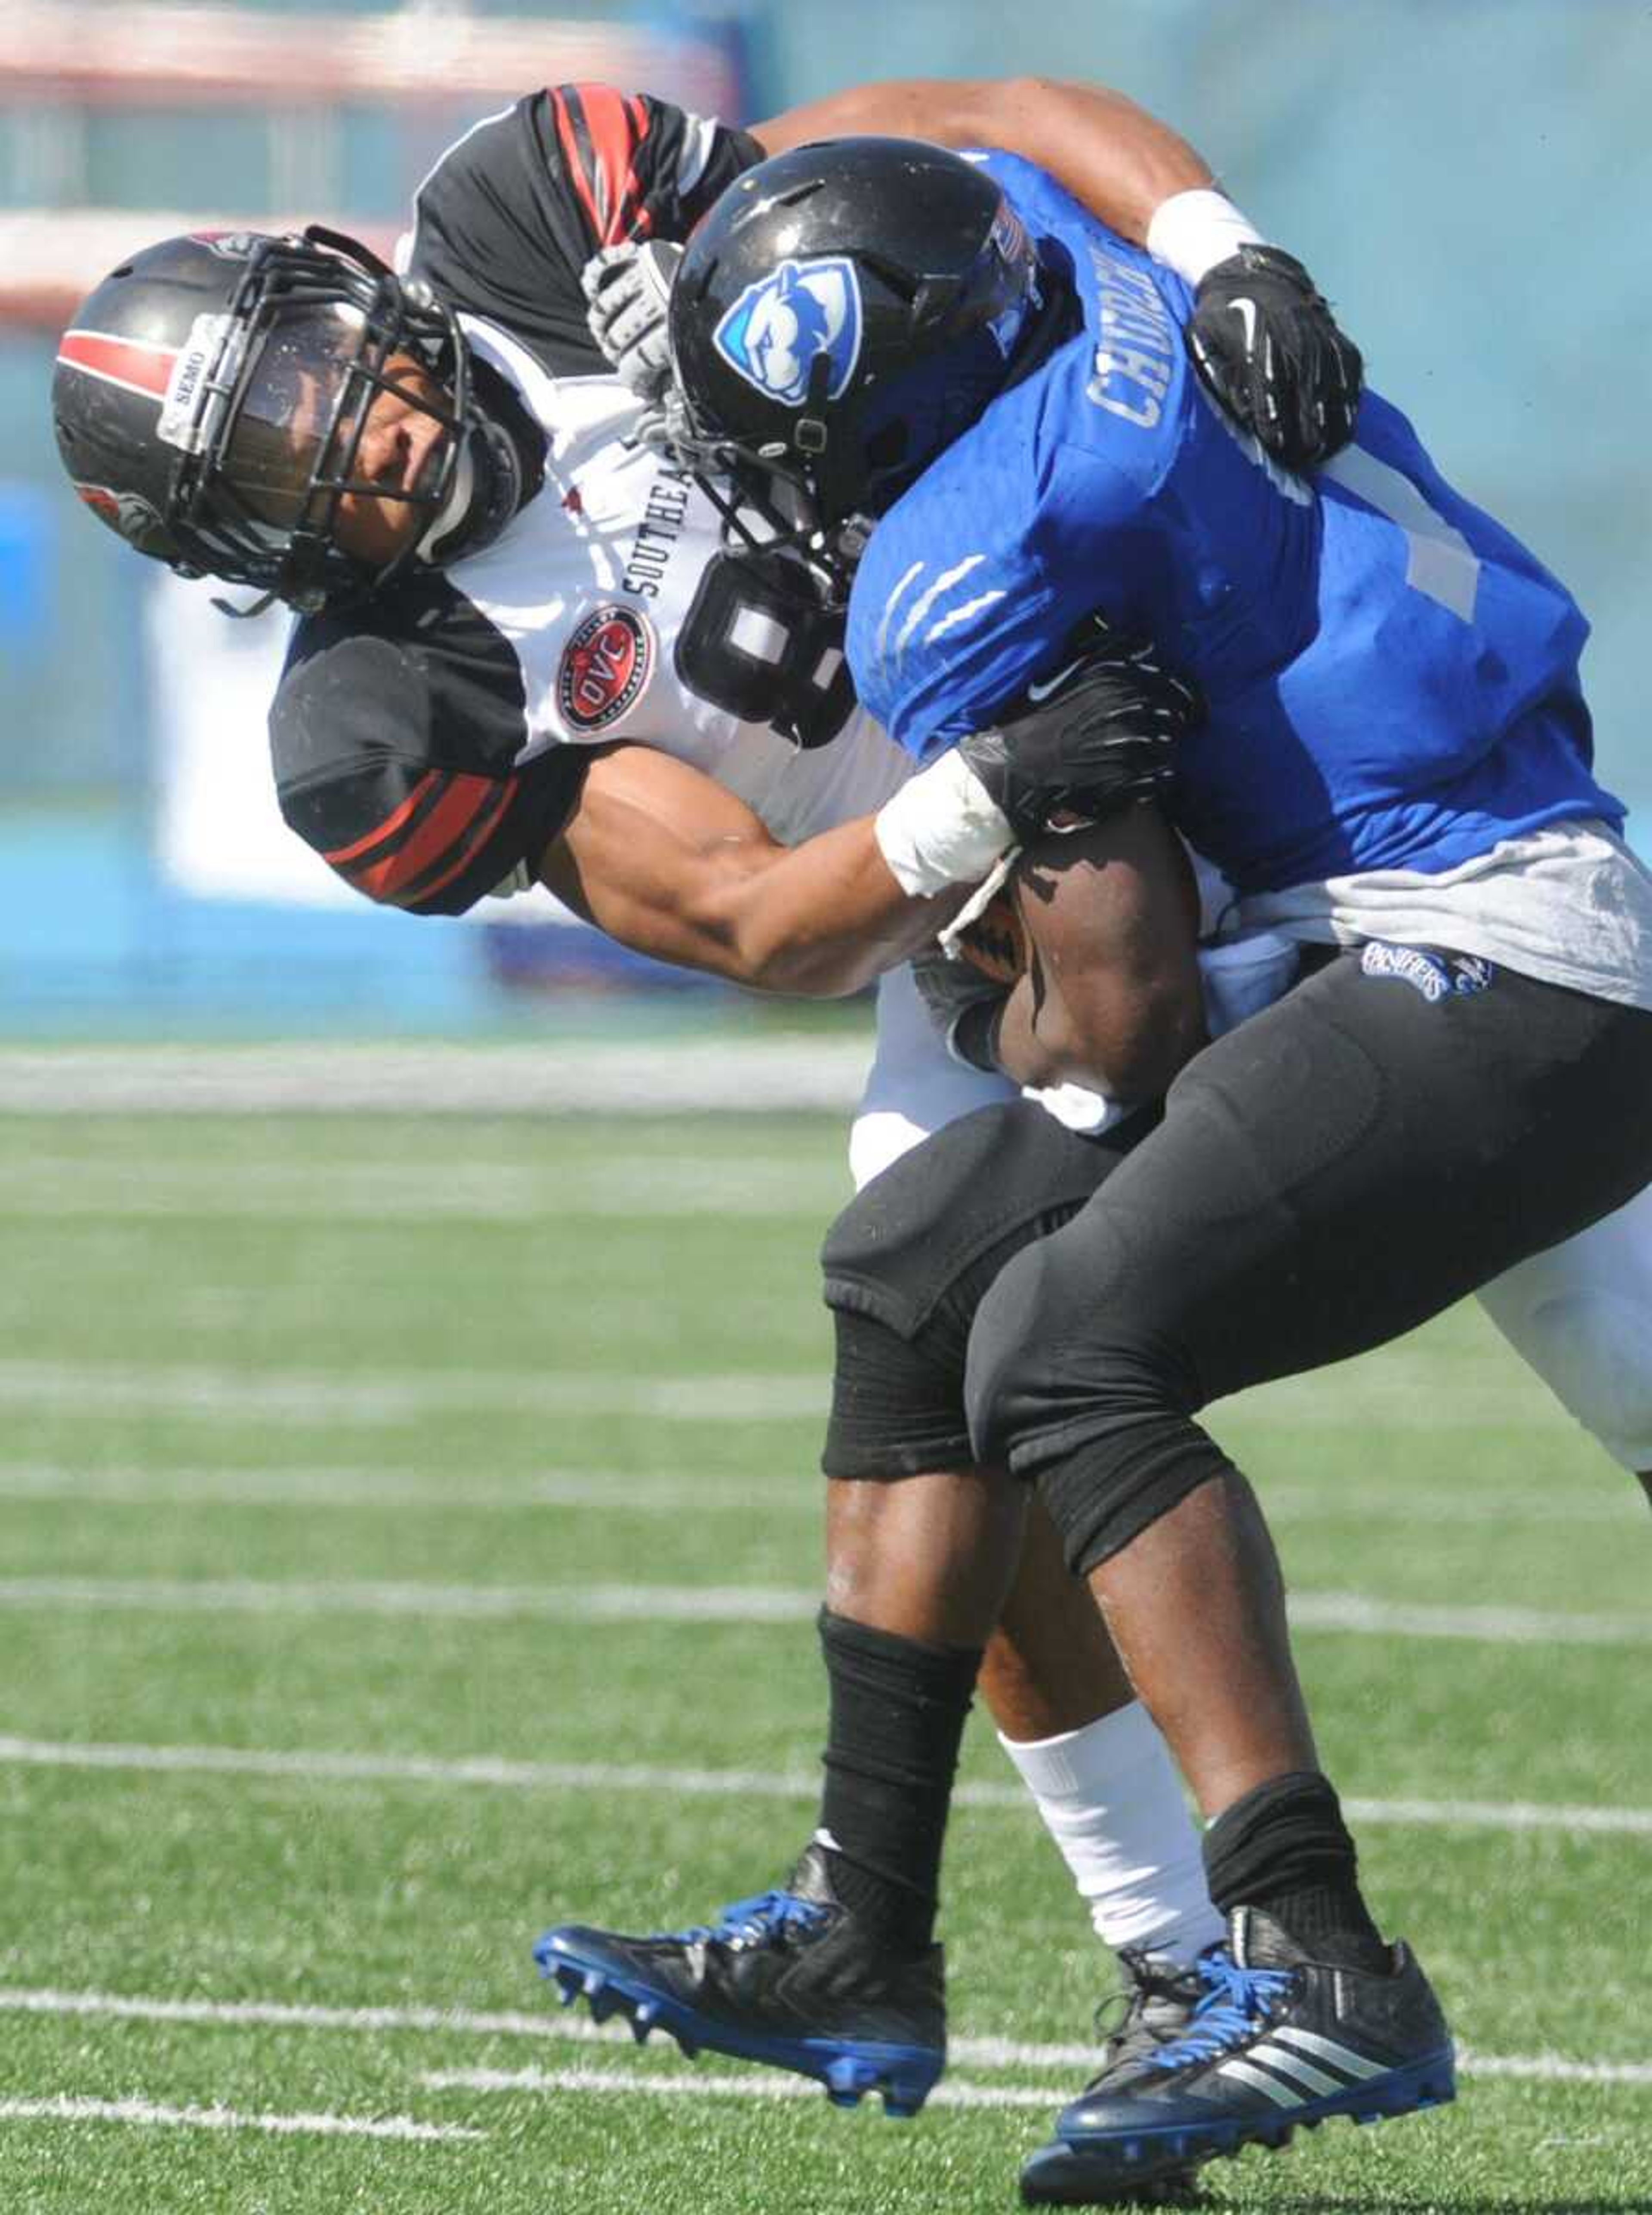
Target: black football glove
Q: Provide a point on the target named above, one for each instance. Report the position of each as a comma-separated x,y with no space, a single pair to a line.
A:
1266,348
1097,736
964,1005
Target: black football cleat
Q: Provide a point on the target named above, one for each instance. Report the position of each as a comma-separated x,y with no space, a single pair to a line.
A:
789,1979
1277,2041
1151,2010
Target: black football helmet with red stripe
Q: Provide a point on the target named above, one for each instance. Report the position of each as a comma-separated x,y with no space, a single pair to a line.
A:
211,395
843,313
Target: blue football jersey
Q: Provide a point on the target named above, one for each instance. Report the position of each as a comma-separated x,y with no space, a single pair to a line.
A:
1391,677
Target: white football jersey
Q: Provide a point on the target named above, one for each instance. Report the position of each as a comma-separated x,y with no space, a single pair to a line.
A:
429,739
598,585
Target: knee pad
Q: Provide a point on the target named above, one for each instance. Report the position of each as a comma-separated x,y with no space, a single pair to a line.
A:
1108,1492
906,1263
1073,1393
897,1406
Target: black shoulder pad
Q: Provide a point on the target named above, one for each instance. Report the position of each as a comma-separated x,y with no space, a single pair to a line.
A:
396,752
506,219
636,166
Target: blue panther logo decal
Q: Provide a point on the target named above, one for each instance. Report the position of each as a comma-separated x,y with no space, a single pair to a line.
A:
774,331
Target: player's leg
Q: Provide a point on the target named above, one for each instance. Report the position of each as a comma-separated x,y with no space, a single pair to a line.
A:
1338,1169
1098,1768
1067,1716
1580,1314
834,1973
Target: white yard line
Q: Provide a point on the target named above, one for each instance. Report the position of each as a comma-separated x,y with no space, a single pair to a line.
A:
1513,1626
1344,1612
491,1603
330,1768
324,1399
382,1193
1504,1815
1541,2068
560,2026
616,1491
679,2086
801,1070
69,2108
1397,1389
285,2015
650,1492
327,1768
1397,1508
1551,2068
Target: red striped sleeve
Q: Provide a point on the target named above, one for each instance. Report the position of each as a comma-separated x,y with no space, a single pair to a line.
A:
392,822
570,145
599,131
425,843
485,827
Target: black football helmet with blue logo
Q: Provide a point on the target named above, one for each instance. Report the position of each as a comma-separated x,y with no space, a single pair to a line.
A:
843,313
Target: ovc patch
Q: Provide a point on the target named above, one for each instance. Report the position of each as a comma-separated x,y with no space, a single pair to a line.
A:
605,666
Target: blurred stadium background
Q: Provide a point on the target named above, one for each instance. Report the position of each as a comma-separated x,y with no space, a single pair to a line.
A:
1464,175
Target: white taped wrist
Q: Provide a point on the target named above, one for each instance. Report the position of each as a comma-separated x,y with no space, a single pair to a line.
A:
1192,231
942,828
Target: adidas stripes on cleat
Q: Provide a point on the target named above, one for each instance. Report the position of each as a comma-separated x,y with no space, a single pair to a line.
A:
1275,2041
788,1979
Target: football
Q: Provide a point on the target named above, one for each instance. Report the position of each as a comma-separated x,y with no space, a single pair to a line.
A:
996,941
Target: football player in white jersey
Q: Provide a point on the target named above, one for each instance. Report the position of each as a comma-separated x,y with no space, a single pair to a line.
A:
529,649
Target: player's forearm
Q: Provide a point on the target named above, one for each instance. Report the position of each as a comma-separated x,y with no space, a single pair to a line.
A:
823,918
817,920
1107,153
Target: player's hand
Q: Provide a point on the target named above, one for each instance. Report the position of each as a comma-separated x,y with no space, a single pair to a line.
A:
666,427
1267,346
962,1001
1095,736
628,303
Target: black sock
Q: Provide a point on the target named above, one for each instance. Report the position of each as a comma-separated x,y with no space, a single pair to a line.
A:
1285,1849
898,1714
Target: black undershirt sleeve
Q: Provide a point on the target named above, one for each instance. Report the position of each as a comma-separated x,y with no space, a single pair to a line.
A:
397,741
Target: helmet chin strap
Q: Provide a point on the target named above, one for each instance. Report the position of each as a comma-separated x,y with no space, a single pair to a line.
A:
489,485
456,508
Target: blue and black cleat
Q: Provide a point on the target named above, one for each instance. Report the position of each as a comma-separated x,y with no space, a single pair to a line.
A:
1151,2011
1276,2042
788,1979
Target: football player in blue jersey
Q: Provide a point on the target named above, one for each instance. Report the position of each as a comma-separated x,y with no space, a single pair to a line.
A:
1393,768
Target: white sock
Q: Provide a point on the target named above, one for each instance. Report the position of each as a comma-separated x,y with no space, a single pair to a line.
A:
1112,1801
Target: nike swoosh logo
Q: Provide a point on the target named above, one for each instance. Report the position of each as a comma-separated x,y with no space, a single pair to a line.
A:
1245,310
1037,692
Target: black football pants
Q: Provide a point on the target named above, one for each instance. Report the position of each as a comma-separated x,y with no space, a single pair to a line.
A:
1328,1176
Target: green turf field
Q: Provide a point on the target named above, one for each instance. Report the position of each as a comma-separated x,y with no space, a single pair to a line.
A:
409,1540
